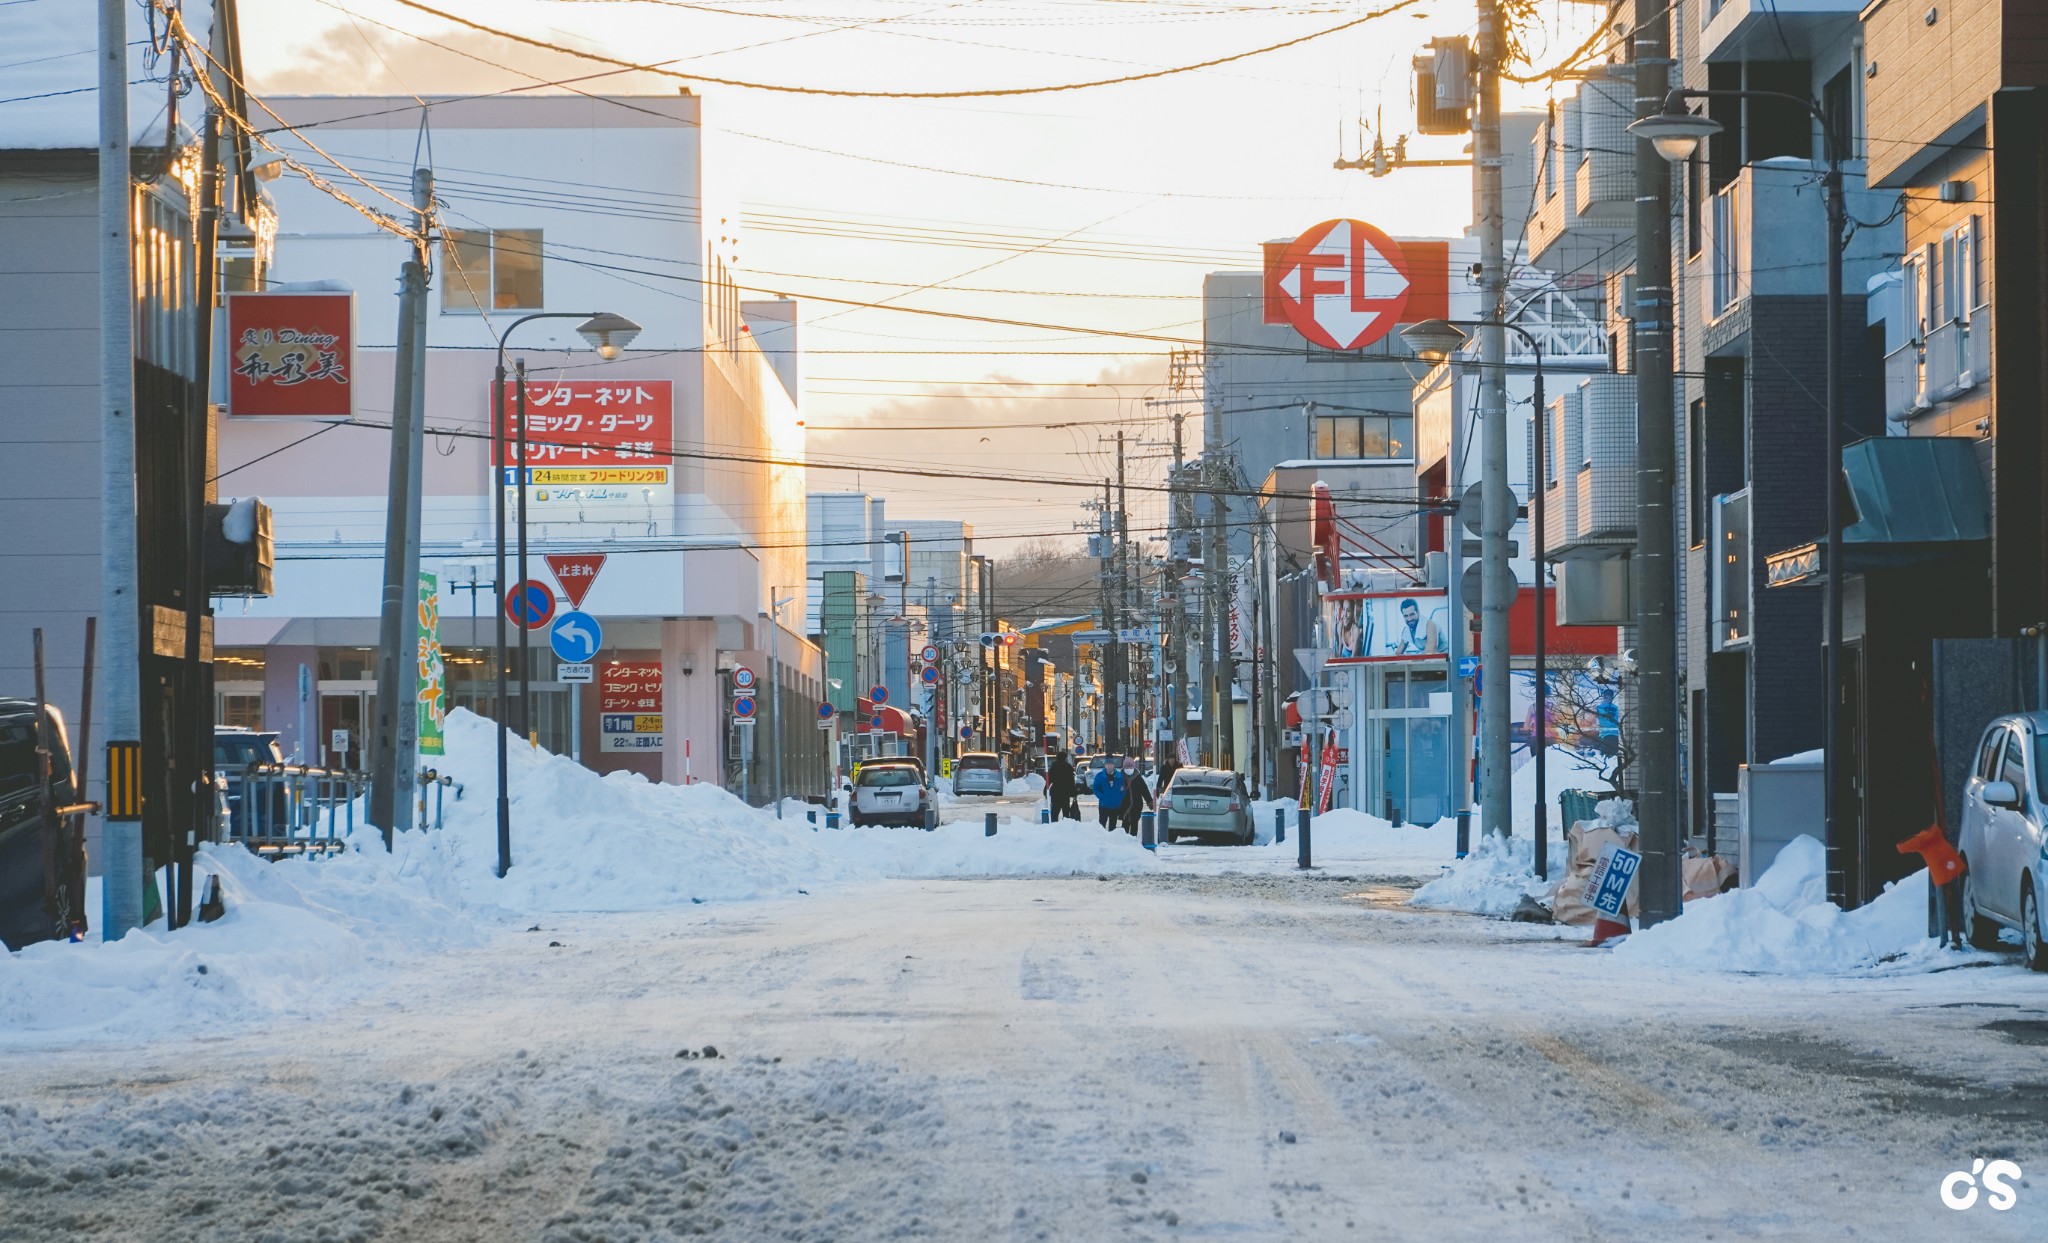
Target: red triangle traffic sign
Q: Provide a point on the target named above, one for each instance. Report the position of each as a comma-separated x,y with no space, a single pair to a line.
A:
576,571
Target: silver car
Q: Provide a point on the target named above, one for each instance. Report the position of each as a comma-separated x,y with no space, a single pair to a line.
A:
978,772
1207,803
2005,805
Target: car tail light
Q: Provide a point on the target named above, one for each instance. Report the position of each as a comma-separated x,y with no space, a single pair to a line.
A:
1234,805
1165,803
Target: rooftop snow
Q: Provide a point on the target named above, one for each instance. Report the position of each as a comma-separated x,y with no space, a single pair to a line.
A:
48,95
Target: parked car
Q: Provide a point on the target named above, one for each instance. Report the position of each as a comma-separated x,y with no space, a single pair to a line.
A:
235,752
23,919
889,793
2003,842
1208,804
978,772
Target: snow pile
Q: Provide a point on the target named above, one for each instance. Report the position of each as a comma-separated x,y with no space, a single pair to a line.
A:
1784,925
1565,769
238,525
1493,879
299,936
584,842
1030,785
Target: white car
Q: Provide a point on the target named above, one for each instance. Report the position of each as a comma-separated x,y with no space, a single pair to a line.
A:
2002,839
889,794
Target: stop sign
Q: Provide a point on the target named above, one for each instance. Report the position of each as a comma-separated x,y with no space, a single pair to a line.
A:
1343,284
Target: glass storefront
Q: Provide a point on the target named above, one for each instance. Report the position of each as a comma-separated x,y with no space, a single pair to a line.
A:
1410,730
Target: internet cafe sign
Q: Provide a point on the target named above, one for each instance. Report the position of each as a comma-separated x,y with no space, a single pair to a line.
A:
592,443
291,355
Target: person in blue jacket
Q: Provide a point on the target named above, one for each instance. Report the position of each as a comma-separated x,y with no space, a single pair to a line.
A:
1108,787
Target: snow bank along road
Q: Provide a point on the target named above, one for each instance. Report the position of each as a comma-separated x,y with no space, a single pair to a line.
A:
1145,1057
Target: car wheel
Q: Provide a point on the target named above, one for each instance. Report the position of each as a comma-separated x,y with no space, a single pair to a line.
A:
1980,931
2033,950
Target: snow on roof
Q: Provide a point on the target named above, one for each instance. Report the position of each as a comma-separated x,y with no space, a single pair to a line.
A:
49,99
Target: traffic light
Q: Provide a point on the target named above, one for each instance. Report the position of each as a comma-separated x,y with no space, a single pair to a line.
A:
1010,639
989,638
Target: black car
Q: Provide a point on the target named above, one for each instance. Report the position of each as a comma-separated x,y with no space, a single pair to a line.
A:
235,753
23,918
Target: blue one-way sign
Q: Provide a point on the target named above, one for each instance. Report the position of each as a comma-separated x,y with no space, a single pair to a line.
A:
576,637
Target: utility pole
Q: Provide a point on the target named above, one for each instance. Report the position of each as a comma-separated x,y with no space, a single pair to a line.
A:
775,604
395,743
1496,575
1216,576
1653,570
1105,579
1123,605
1180,526
120,677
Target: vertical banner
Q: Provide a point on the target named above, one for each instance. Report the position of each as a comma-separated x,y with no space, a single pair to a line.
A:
433,671
1329,782
1240,608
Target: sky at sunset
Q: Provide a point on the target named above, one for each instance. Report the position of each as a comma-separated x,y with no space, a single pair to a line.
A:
1083,210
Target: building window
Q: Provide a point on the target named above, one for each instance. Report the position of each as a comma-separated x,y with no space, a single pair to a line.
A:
484,270
1696,473
1350,437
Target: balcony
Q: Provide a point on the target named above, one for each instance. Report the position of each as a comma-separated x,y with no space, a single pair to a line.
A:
1766,235
1585,174
1591,494
1772,29
1951,360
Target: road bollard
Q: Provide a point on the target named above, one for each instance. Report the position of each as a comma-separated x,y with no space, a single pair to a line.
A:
1045,815
1145,827
1464,833
831,819
812,816
1301,847
988,825
1279,826
1165,826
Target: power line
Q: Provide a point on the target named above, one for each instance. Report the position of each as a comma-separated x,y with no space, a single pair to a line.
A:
980,93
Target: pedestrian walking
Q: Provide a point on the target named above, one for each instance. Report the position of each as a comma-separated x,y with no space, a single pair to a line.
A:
1109,787
1137,797
1062,792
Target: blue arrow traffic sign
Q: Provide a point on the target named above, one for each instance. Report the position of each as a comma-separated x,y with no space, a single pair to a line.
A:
576,637
743,707
1467,666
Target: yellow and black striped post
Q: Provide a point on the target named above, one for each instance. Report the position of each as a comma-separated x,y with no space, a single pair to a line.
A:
124,781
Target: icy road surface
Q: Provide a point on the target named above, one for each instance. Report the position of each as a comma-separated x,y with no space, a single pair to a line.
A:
1148,1057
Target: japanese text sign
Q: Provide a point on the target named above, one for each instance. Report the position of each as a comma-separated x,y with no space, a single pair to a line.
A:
596,425
1607,887
291,355
629,705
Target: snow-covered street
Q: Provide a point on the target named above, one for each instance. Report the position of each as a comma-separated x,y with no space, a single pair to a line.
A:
1163,1055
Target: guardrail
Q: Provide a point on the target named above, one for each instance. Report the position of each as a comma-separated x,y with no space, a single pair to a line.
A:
293,809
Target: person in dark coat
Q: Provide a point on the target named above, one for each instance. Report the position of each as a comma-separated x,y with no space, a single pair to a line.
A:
1137,797
1060,789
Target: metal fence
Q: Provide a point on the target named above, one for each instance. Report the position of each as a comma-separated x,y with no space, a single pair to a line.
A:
292,809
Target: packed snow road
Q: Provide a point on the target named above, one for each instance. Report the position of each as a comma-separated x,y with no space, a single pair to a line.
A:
1146,1057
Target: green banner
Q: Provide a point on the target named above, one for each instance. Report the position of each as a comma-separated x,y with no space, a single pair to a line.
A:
433,674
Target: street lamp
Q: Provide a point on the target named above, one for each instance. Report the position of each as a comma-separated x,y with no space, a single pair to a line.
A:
1438,339
1676,134
608,334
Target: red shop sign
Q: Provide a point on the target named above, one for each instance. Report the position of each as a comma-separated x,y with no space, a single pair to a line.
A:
591,423
291,355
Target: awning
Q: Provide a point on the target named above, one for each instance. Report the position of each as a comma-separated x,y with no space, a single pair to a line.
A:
893,720
1912,499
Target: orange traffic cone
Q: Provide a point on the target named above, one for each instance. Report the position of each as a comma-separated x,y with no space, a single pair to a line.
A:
1605,930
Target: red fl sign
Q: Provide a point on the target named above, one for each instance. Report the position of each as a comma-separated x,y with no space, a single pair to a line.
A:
1344,284
576,572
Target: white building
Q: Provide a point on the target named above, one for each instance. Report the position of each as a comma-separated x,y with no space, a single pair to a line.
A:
564,205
